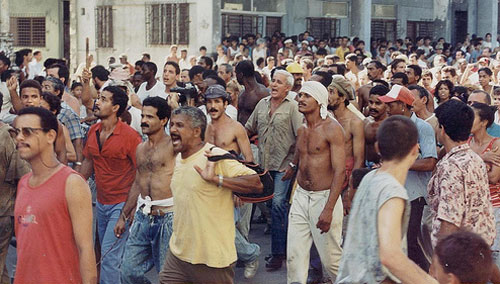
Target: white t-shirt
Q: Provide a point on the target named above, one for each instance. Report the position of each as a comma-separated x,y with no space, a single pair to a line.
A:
135,113
158,90
35,69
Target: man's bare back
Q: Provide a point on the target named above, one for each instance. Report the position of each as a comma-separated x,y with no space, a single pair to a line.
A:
349,123
363,96
248,100
315,147
155,166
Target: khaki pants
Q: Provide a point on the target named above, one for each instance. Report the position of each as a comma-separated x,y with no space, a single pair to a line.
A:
178,271
304,214
6,232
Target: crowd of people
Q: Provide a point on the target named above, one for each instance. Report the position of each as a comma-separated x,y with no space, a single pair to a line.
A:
384,163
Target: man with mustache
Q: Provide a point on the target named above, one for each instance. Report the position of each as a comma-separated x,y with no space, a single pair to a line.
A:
151,229
375,71
230,135
378,112
316,212
110,154
339,93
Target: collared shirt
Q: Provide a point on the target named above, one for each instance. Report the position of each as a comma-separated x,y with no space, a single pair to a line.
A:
12,168
459,194
71,120
277,133
114,161
416,182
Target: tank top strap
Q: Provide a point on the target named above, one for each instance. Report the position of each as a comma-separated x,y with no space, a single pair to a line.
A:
488,148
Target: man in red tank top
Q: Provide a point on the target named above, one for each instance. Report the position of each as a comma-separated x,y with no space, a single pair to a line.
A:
53,210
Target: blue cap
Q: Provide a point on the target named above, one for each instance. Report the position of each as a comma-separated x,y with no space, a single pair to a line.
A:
216,91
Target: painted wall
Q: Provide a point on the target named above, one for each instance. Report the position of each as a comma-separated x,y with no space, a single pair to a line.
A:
53,29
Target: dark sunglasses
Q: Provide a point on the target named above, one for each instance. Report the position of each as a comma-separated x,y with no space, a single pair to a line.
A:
27,131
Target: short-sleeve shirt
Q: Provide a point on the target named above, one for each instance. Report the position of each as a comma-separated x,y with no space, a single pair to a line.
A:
203,214
158,90
360,262
277,133
71,120
459,194
12,168
114,161
416,182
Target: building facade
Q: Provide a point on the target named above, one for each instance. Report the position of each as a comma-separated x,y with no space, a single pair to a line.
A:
59,27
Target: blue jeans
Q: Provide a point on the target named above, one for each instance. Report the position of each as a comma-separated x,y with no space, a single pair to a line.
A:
111,246
279,214
147,246
246,251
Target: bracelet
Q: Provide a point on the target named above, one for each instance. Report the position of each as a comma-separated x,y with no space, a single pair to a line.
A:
124,217
78,163
221,180
292,165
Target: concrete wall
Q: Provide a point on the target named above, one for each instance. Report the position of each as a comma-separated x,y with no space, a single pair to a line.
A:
52,11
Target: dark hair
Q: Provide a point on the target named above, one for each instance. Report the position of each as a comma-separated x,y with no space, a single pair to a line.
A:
485,112
207,73
6,75
208,61
100,73
119,98
195,70
321,51
379,90
246,68
422,92
326,78
151,66
50,61
203,48
381,82
53,101
218,79
62,72
147,55
126,117
48,120
30,84
357,175
401,75
416,70
20,54
197,118
56,83
5,60
396,136
139,63
448,83
176,66
260,61
485,70
162,108
466,255
76,84
378,65
461,92
340,69
1,99
486,95
229,67
258,77
395,63
39,79
457,118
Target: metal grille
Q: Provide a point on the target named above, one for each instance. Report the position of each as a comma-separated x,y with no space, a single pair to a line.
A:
167,23
384,29
323,27
240,25
415,29
28,31
273,24
104,29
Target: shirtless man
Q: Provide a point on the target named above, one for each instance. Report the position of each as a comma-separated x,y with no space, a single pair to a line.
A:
320,157
375,71
378,112
338,100
150,233
228,134
253,93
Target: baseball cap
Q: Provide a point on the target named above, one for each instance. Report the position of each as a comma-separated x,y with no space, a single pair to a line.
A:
215,91
398,93
294,68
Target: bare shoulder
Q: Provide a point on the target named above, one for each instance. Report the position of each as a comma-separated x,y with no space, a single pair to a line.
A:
356,122
332,129
76,187
496,145
238,127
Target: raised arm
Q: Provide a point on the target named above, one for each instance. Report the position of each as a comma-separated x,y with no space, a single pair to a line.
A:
79,201
87,93
14,97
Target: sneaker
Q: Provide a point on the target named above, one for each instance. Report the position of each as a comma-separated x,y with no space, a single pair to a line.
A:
251,269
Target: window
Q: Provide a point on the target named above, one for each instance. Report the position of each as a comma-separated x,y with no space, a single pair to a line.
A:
384,29
383,11
104,27
240,25
167,23
28,31
415,29
273,24
323,27
253,5
335,9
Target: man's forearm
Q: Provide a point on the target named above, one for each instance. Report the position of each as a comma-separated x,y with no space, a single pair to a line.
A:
241,184
131,202
15,100
424,165
77,143
335,189
406,270
88,269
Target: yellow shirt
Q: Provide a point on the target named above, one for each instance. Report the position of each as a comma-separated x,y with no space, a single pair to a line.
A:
203,215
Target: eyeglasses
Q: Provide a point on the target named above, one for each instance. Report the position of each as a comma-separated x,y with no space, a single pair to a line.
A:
27,131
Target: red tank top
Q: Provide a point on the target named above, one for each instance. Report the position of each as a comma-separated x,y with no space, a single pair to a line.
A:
46,247
494,188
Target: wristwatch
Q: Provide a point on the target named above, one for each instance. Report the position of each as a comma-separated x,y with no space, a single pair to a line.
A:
292,165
